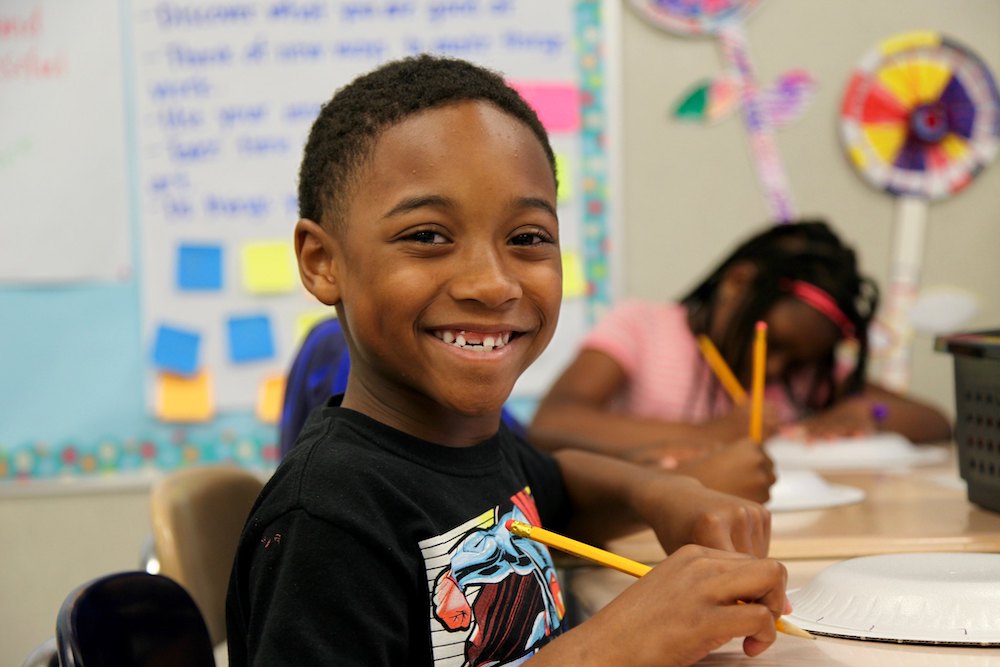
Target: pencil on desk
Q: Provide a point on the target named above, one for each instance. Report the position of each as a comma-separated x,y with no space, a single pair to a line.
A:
757,384
721,370
612,560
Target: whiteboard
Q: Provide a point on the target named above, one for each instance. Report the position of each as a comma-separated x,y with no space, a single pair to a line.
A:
63,183
175,135
225,97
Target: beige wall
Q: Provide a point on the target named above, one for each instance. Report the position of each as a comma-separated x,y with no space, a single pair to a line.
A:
689,191
54,540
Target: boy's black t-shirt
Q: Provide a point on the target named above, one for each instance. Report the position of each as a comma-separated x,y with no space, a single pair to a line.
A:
371,547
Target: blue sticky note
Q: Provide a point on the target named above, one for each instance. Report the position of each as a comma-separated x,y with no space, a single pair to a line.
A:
250,338
199,267
176,350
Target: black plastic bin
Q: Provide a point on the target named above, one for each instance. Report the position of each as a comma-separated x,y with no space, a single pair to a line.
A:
977,411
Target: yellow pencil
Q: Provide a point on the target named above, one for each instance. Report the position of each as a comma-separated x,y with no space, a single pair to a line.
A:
721,370
614,561
757,384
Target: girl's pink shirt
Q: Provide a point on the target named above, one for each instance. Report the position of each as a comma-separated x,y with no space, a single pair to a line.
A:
667,377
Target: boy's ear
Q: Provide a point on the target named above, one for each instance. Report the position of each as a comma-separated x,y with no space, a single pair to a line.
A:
319,259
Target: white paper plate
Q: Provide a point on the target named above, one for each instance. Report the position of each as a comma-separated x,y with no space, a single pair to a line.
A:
797,490
878,451
923,598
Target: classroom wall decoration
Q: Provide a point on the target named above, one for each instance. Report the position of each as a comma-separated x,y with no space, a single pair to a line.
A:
763,111
920,120
61,224
216,101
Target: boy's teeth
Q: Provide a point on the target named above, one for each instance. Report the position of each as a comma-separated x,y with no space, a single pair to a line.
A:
488,344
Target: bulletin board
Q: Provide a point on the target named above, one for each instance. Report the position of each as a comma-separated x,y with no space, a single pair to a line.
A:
148,167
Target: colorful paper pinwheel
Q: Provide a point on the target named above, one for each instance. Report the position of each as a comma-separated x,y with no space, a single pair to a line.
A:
920,119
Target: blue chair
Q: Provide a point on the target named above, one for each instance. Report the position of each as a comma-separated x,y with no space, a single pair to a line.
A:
132,619
319,371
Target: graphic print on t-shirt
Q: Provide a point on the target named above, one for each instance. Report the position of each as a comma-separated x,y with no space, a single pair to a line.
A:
495,599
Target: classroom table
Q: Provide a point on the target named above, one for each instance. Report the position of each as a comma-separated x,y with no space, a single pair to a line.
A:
905,510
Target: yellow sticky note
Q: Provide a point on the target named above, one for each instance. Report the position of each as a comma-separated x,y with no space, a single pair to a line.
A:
270,398
305,322
184,399
268,267
574,280
565,176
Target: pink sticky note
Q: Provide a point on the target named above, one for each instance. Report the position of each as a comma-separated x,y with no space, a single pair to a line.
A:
557,104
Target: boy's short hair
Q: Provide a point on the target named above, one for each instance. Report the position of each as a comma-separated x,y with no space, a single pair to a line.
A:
345,132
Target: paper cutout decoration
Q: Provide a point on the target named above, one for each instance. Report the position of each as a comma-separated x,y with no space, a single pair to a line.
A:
270,397
942,310
709,100
712,100
786,101
920,119
724,19
199,267
305,322
695,17
176,350
574,280
269,267
250,338
182,399
557,105
564,175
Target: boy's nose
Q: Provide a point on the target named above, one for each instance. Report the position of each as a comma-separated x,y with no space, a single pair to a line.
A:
486,277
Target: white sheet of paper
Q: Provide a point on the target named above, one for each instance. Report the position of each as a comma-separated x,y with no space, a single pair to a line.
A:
878,451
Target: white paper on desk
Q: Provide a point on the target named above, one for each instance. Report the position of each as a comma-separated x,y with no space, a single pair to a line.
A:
878,451
930,598
797,490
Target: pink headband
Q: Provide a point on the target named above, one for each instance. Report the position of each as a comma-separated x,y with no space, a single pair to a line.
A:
821,301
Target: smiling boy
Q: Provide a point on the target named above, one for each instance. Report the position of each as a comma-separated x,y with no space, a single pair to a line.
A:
428,219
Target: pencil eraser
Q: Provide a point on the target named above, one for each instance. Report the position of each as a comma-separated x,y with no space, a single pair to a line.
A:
507,523
761,325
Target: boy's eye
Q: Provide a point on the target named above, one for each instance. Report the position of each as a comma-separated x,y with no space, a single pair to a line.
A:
530,238
427,236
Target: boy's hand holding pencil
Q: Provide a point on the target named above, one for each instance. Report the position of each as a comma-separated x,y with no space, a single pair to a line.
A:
708,593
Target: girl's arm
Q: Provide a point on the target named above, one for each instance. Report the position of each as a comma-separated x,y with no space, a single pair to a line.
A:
877,408
611,498
576,413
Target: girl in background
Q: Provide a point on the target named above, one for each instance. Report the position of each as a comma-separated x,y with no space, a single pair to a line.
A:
640,388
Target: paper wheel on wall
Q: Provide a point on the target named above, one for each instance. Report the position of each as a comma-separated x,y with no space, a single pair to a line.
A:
694,17
921,116
920,119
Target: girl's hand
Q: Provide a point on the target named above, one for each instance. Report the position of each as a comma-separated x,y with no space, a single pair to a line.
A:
847,419
742,469
735,425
